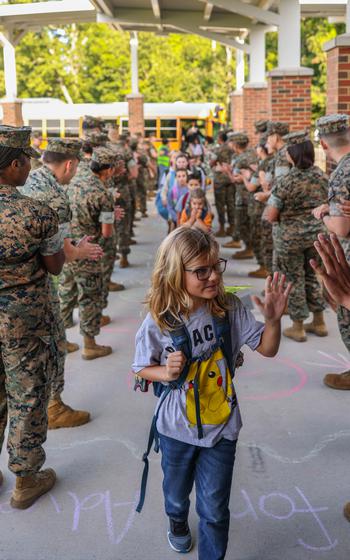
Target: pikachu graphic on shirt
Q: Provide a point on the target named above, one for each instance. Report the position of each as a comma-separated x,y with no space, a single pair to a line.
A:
215,390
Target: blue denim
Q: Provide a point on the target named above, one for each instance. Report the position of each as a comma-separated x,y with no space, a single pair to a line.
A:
211,470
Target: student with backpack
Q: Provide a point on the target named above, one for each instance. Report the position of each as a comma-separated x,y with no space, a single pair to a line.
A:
188,346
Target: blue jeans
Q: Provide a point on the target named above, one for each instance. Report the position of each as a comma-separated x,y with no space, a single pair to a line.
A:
211,470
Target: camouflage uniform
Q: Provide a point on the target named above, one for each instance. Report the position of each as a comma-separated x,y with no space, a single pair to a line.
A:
28,230
242,217
42,185
142,183
295,196
82,281
339,188
267,166
224,189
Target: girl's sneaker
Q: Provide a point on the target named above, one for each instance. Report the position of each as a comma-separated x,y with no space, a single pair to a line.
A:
179,536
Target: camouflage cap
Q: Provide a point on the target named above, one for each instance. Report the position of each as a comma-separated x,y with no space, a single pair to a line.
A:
262,140
97,138
294,138
238,137
261,126
331,124
18,138
246,160
64,146
92,122
103,156
117,150
277,127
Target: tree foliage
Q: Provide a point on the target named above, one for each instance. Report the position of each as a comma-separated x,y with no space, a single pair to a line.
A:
92,63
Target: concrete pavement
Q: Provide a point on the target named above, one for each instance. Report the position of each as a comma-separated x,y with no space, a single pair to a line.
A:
291,477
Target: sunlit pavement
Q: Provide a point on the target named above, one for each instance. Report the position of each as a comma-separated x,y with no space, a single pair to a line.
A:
292,471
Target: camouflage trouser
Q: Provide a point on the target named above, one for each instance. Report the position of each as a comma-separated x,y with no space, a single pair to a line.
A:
25,379
255,214
123,227
225,201
243,225
306,294
267,245
141,195
108,260
57,383
82,284
132,190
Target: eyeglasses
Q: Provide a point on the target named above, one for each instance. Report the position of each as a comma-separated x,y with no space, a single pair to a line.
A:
204,272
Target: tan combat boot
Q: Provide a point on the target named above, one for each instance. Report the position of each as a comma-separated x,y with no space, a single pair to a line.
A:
71,347
60,415
124,263
261,272
317,325
296,332
220,232
115,287
242,255
105,320
91,350
232,244
347,511
30,488
339,381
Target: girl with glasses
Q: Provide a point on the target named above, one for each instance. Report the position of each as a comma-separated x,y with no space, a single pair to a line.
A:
198,436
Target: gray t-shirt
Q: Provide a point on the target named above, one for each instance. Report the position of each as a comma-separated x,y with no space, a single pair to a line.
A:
220,415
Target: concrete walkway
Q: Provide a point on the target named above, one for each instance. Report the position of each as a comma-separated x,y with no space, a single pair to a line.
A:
292,471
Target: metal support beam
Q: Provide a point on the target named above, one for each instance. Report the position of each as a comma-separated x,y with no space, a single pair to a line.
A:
207,11
218,37
104,6
9,67
289,34
238,7
155,8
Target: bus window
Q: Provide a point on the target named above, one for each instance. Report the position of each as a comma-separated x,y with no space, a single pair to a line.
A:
53,128
168,128
71,128
123,125
36,124
150,127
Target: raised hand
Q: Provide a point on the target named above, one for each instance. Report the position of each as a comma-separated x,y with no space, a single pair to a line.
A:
276,297
335,272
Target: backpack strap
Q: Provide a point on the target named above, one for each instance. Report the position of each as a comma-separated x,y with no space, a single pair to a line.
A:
222,329
181,341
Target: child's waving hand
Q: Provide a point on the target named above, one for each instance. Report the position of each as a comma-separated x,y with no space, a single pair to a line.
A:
276,297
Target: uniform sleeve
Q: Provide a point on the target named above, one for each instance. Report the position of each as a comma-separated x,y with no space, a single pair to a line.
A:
148,347
51,235
277,196
184,218
106,215
339,187
208,219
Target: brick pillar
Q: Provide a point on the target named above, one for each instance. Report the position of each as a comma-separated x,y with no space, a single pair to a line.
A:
255,107
338,74
136,115
289,96
237,110
12,113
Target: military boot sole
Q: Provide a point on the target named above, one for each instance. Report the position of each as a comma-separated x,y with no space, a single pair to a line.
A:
25,504
295,337
347,511
92,354
331,380
116,287
318,331
58,424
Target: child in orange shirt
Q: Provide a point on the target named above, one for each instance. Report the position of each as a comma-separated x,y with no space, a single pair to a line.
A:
197,212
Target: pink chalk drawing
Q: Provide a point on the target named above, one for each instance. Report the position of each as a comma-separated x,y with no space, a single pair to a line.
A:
302,380
338,361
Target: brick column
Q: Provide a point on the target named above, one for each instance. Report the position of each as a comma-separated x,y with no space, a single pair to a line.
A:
255,107
237,110
12,113
289,96
136,115
338,74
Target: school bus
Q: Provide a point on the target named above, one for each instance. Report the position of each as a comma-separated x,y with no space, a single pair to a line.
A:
53,117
